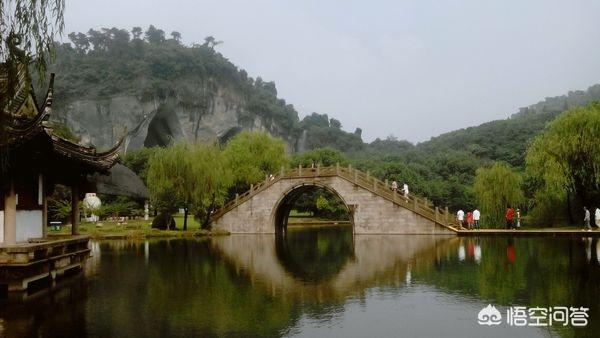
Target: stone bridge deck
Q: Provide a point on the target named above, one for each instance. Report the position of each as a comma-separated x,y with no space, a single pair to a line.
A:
374,207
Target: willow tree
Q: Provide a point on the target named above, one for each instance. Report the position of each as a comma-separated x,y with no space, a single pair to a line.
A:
496,188
563,163
213,177
171,180
254,155
192,177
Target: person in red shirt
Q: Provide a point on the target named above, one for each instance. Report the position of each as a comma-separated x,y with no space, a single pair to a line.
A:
470,220
510,214
511,253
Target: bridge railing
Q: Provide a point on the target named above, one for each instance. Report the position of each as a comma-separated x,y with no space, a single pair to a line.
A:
419,205
412,202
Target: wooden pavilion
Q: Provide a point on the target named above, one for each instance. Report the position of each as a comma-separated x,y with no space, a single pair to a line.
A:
34,160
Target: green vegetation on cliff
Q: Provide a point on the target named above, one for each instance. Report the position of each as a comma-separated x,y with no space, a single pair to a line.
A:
152,67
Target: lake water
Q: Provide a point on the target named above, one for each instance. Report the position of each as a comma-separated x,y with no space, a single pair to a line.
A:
315,283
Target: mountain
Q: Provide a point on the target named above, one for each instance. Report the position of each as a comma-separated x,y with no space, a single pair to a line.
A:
160,90
507,140
157,89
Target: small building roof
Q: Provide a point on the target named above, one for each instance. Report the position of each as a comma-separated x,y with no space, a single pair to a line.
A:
121,181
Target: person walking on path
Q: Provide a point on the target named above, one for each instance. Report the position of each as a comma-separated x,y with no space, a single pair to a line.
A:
460,216
470,220
586,218
510,215
597,217
518,218
394,186
476,216
405,190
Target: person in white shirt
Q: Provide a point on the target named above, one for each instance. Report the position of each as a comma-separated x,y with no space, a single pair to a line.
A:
597,217
405,190
476,216
586,218
460,215
394,186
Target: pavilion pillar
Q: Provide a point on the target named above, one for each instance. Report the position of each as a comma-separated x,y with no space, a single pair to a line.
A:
74,209
10,216
44,214
44,202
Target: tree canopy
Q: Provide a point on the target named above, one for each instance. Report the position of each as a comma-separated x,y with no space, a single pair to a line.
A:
254,155
192,177
497,188
563,162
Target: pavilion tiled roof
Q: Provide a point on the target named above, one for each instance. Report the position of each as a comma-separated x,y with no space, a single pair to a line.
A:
27,119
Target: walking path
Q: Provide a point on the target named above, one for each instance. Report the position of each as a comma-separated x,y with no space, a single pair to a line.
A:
530,232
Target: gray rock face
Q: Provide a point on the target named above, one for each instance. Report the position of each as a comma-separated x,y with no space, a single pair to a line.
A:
218,115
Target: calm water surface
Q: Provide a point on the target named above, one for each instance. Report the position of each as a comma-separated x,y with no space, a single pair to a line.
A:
314,283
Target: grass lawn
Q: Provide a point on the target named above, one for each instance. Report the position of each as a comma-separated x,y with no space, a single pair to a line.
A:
134,228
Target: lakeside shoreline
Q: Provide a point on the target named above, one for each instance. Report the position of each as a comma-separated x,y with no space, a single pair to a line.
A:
145,235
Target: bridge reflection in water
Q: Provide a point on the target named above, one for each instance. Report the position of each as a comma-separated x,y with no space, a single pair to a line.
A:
319,282
330,263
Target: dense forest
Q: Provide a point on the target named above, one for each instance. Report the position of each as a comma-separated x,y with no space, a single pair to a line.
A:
150,65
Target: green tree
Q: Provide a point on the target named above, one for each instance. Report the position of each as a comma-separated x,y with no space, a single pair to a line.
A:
193,177
171,180
213,178
176,36
154,35
563,163
136,32
254,155
80,41
211,42
137,161
31,26
321,156
496,188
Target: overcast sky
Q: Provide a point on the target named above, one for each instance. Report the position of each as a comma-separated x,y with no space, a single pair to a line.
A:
413,69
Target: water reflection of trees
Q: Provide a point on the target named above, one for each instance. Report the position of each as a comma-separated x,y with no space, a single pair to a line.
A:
189,289
524,271
239,285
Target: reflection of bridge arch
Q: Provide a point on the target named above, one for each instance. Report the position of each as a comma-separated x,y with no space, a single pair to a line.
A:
316,255
374,259
288,199
374,208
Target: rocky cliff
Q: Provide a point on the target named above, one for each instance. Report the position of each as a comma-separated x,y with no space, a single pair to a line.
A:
158,121
157,90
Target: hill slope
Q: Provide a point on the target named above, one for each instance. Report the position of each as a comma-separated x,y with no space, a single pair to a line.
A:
506,140
160,90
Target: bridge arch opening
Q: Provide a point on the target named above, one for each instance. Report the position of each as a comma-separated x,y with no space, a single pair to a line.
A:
311,204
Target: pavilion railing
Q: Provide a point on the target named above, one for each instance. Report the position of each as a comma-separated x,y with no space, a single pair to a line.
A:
417,204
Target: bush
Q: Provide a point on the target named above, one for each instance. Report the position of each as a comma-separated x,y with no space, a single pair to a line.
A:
164,222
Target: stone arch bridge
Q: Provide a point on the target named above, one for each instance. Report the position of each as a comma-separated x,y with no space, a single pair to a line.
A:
373,207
